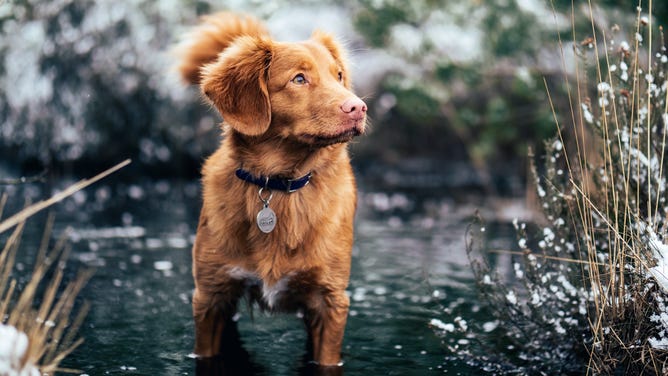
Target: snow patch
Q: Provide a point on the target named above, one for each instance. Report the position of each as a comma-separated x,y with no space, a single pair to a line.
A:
13,347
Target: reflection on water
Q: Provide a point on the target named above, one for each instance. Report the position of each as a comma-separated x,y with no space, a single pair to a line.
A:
409,267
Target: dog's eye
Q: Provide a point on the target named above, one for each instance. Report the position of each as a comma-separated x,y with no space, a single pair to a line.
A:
340,76
299,79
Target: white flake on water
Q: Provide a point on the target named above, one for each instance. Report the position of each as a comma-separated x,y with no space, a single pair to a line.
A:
359,294
154,243
461,322
108,233
177,242
135,259
490,326
163,265
381,290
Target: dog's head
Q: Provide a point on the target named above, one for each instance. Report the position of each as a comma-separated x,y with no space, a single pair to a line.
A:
299,91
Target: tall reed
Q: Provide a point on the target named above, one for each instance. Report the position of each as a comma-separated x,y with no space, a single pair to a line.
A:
589,285
39,322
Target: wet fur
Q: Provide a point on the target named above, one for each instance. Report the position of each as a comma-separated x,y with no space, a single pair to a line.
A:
273,127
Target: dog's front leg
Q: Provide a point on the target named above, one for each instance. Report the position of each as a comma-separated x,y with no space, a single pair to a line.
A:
326,323
211,312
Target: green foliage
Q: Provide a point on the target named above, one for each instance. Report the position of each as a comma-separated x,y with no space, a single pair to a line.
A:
495,112
414,102
374,23
509,30
470,75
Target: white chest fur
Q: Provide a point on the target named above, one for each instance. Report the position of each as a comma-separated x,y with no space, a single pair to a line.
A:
271,294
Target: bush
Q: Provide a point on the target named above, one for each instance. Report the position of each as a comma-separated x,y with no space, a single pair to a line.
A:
589,288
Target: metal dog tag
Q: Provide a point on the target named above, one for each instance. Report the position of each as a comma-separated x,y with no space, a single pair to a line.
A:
266,220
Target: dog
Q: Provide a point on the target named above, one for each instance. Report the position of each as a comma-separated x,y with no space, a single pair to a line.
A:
279,195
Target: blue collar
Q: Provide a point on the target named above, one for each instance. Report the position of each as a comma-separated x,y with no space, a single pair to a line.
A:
274,183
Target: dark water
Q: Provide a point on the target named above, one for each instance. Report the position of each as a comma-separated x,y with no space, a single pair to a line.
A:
409,266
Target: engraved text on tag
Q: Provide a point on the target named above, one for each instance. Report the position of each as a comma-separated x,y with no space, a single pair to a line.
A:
266,220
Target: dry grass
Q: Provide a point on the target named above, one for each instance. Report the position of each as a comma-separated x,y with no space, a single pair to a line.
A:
618,194
588,287
45,307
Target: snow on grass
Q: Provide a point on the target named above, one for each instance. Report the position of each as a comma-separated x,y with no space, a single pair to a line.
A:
436,323
13,348
660,253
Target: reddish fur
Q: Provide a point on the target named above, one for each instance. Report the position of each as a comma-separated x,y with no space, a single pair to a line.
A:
274,127
215,33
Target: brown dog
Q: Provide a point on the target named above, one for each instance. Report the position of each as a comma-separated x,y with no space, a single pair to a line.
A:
279,194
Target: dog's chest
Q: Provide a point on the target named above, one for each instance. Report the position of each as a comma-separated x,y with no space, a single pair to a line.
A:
269,294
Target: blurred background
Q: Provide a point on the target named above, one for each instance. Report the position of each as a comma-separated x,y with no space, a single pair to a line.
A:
453,87
457,97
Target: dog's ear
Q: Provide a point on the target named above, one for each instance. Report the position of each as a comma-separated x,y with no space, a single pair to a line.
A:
338,53
236,83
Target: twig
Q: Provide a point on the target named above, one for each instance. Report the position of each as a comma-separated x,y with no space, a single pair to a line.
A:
41,177
518,253
38,206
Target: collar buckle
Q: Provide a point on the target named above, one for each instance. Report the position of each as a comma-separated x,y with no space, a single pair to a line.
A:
301,183
275,183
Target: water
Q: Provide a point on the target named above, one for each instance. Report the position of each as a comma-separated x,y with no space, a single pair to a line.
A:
409,266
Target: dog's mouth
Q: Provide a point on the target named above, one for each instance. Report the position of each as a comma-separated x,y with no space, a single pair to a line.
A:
325,140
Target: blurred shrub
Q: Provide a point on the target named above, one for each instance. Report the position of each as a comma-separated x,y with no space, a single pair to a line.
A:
469,75
472,74
87,83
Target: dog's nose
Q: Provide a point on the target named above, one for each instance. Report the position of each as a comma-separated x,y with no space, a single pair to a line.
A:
354,107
